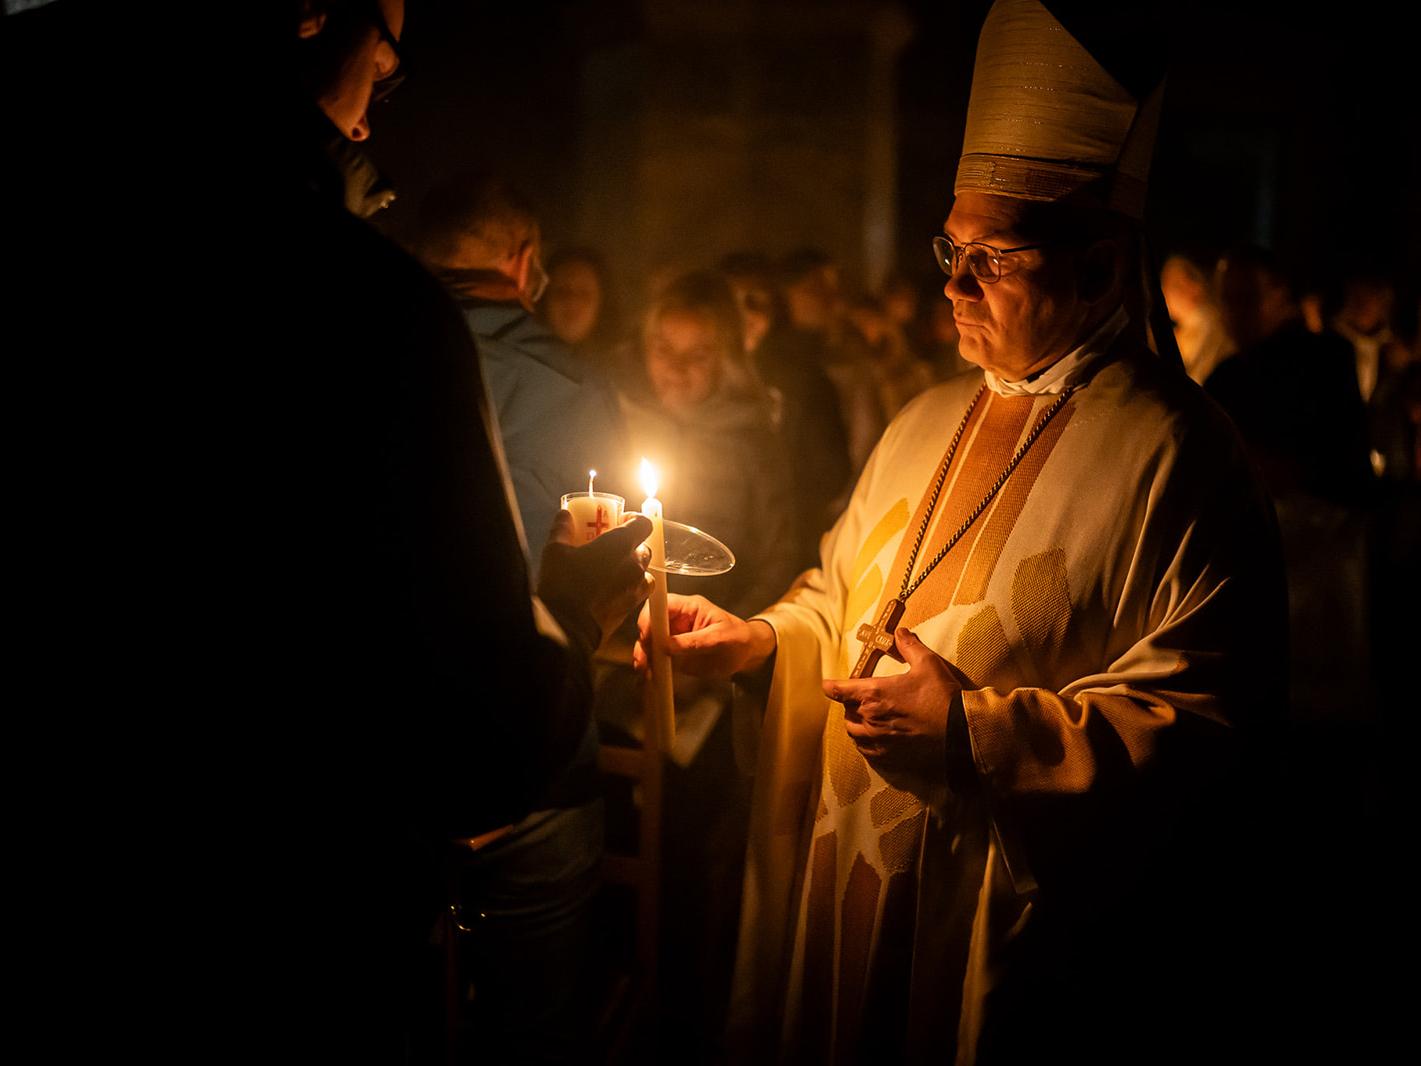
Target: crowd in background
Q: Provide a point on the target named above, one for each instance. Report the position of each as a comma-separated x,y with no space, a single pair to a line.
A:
762,383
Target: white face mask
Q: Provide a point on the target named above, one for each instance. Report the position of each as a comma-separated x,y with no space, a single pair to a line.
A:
537,282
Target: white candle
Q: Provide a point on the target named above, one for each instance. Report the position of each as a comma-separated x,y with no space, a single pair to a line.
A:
662,693
593,513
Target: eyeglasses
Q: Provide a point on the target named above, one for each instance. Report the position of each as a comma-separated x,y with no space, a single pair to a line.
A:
983,260
383,87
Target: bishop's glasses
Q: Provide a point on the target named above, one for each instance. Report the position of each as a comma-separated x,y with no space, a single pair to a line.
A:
984,260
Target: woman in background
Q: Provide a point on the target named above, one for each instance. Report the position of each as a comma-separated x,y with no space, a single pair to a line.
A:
697,410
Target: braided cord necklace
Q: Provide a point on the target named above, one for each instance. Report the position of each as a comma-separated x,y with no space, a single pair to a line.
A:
878,638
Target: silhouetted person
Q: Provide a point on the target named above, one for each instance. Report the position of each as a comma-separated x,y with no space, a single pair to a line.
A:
1292,393
419,691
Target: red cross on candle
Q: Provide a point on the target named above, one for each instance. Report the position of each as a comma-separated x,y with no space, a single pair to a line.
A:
601,522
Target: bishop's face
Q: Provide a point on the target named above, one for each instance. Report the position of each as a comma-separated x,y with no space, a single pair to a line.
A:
1034,314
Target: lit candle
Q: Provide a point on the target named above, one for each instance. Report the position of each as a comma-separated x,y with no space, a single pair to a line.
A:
593,513
664,698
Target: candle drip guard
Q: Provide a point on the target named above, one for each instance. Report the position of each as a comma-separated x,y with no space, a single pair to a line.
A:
693,552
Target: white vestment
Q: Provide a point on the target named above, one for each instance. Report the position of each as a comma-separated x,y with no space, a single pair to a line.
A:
1108,610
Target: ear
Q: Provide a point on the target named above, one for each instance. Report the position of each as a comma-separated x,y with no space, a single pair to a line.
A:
523,264
312,22
1099,271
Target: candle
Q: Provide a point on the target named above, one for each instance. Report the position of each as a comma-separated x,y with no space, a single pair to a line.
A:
593,513
662,695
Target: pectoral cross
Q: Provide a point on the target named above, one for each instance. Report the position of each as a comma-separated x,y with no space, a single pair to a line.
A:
878,639
600,524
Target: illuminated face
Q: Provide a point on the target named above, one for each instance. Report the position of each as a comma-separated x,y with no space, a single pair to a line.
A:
1034,314
345,98
573,301
684,357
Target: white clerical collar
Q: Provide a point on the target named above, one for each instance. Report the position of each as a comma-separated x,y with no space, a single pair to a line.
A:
1067,370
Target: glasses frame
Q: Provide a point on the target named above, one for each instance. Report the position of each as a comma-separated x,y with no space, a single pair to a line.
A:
949,254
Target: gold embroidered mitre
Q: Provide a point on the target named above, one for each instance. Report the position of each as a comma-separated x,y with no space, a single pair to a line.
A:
1046,121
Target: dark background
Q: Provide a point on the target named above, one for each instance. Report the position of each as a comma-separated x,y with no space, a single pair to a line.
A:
1284,125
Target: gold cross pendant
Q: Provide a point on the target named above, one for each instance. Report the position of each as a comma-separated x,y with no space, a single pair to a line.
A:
878,639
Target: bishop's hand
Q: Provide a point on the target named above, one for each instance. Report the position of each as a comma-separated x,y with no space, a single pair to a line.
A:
900,722
707,640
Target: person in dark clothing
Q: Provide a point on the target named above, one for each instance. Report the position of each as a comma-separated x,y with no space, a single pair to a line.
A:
1293,396
434,697
809,420
1292,393
811,287
526,897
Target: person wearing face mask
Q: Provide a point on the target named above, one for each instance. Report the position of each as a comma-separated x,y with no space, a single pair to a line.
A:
524,900
557,414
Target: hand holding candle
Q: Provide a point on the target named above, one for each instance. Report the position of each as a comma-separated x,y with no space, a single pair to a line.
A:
595,583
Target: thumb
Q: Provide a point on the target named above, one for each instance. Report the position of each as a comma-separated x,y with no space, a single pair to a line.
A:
910,647
562,528
621,540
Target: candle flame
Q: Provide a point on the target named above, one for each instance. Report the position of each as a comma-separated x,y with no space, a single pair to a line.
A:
650,477
591,476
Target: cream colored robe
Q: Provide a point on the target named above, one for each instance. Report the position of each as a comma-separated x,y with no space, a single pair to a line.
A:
1109,610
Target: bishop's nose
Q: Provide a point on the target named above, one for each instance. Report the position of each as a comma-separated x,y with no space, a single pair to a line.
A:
962,285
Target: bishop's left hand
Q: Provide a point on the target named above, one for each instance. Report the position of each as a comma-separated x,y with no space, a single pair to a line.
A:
901,721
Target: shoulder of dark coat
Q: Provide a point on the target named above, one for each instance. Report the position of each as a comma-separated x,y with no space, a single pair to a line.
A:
360,284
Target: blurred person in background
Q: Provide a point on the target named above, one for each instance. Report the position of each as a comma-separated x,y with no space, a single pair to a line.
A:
698,411
1285,385
1364,322
899,376
696,408
557,414
1198,323
811,287
579,306
902,305
944,342
809,422
1293,396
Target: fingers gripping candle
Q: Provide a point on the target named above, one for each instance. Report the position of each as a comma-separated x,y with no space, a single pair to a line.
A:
660,623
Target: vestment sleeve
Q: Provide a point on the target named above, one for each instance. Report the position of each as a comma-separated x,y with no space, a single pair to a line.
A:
807,621
1195,661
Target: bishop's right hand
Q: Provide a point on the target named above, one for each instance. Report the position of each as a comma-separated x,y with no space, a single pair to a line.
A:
706,640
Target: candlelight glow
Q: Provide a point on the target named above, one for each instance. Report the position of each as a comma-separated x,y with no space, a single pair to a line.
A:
650,477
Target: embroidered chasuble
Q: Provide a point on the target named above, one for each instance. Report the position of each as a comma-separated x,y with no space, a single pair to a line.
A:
1099,610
